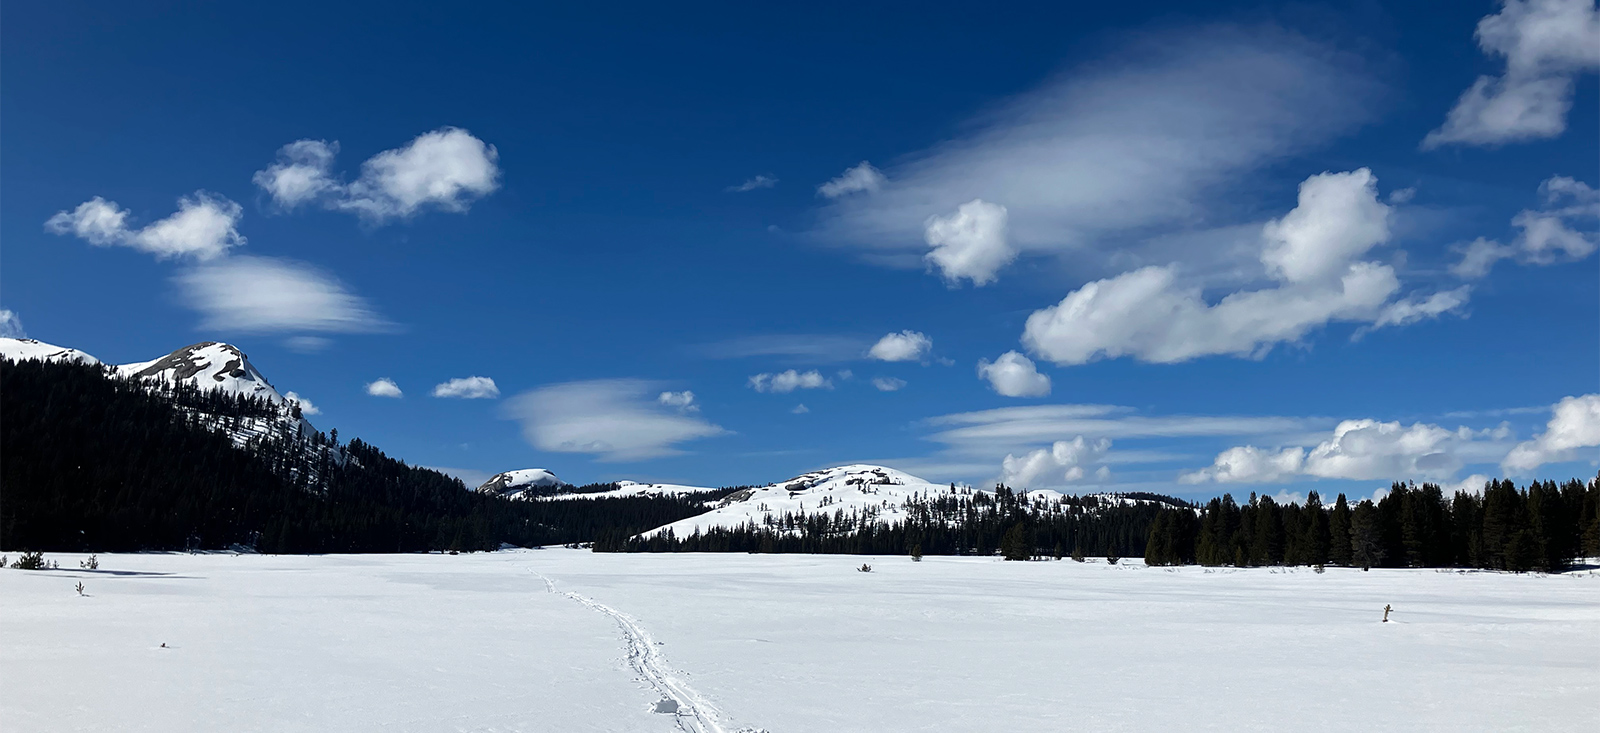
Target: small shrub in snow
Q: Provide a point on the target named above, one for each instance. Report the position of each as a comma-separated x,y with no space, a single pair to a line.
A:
916,553
1319,569
93,563
80,588
30,561
1112,559
865,568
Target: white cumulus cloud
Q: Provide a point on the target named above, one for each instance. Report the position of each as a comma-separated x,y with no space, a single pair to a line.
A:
789,381
1063,462
1553,233
800,409
1363,449
264,294
384,387
302,173
1313,251
1574,425
204,227
970,244
614,419
906,345
888,384
856,179
306,408
1546,45
468,388
1014,375
446,169
682,401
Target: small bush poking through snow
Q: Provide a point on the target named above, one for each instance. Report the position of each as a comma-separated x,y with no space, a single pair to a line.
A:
865,568
1112,559
30,561
93,563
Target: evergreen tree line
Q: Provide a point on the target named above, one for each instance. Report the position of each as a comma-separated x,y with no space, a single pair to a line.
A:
960,522
1542,526
91,462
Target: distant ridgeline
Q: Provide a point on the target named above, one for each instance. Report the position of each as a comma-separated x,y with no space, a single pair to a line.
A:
958,522
91,461
1543,526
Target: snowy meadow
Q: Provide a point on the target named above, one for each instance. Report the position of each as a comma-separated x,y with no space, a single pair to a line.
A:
566,640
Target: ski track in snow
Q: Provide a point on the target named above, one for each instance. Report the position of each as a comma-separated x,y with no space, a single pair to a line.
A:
695,714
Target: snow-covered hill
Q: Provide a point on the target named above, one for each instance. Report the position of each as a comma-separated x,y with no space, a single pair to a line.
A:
25,349
850,489
522,483
875,494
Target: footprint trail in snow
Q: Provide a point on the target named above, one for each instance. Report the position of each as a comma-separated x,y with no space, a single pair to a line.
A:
693,713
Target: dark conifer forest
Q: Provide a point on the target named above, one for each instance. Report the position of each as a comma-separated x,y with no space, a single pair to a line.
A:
91,462
1543,526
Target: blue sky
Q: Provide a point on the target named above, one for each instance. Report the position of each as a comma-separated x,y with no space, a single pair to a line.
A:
1264,248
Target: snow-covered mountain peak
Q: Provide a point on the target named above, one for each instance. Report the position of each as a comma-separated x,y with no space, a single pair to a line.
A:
208,365
25,349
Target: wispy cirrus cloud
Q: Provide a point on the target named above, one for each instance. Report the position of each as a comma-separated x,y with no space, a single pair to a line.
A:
613,419
1093,163
269,294
753,183
808,348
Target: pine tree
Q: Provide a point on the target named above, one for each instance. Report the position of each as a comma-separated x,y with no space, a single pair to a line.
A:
1017,543
1366,540
1339,547
1317,532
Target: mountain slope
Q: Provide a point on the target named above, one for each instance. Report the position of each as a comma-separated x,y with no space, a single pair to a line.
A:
25,349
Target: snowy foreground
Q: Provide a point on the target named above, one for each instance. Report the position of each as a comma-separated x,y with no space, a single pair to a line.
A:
563,640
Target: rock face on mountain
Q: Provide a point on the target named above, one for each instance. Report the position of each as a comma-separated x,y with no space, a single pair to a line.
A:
523,483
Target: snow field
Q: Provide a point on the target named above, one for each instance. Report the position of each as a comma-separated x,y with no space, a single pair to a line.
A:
786,643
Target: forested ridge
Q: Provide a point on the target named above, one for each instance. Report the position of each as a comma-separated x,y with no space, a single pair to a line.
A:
92,462
1543,526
